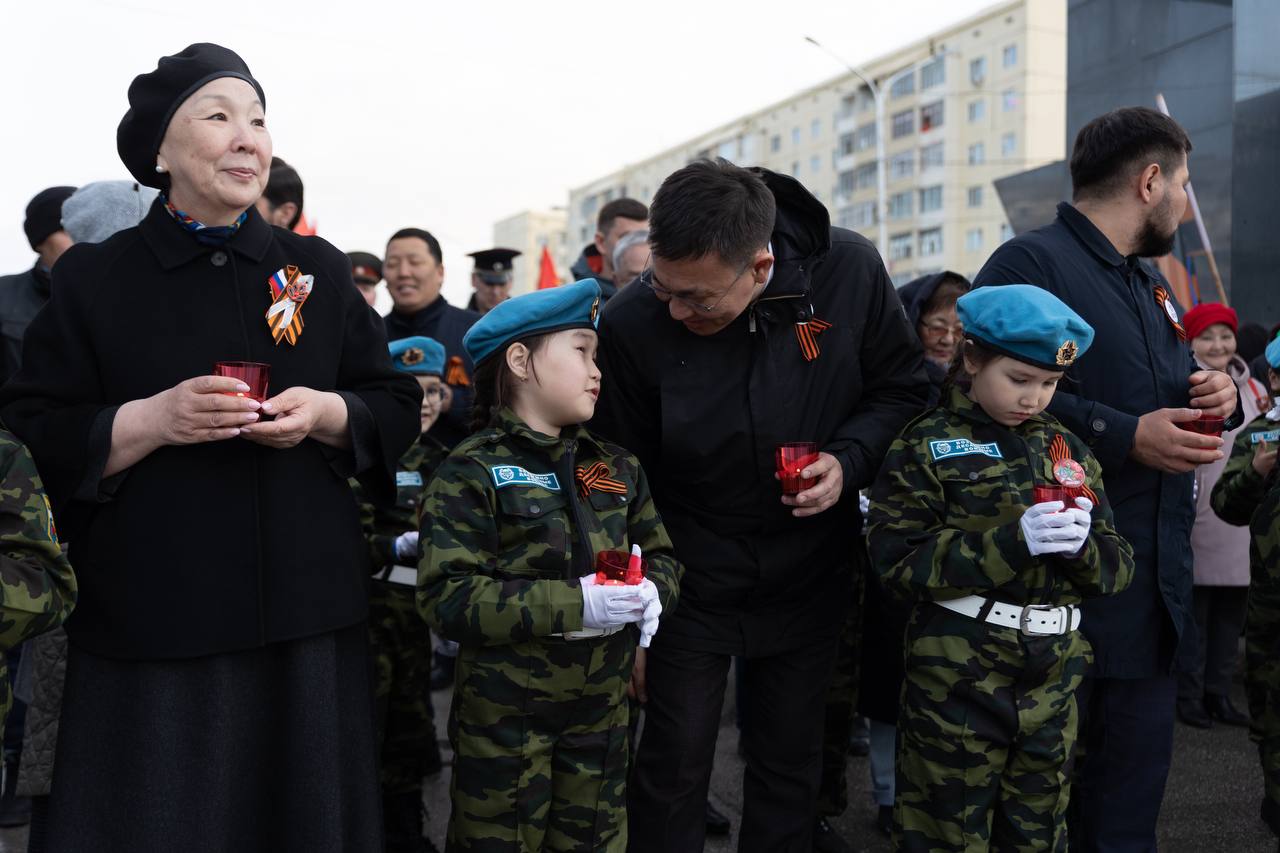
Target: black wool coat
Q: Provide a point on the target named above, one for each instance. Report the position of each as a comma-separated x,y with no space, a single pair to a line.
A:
215,547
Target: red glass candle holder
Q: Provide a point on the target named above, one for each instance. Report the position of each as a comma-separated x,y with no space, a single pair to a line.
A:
1046,494
791,459
251,373
611,569
1205,425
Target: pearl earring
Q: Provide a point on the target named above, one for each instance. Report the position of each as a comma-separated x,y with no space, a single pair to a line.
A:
160,170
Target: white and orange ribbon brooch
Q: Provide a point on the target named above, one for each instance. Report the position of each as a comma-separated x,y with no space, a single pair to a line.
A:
289,289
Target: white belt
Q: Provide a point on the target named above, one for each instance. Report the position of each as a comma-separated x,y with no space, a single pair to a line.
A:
1033,620
402,575
588,633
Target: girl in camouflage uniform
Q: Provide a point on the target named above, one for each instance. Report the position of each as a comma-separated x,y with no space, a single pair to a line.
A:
512,522
993,650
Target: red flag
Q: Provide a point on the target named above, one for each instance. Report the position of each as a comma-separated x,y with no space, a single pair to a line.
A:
547,271
305,228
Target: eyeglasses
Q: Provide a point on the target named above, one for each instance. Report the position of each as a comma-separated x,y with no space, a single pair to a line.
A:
436,393
646,279
940,330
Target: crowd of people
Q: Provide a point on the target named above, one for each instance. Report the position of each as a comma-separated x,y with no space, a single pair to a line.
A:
1014,527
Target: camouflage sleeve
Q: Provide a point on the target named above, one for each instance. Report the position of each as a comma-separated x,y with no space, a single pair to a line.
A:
1240,488
1105,565
382,548
38,587
647,531
458,593
914,551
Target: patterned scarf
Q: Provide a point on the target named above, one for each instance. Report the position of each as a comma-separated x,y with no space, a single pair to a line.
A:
206,235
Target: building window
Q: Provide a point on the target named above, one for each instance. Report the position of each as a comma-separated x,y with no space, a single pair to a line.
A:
904,85
775,144
728,150
845,145
815,164
846,184
977,154
978,70
931,199
847,104
795,136
865,137
975,196
977,110
795,169
973,240
1008,145
903,123
860,215
931,116
900,205
1006,231
864,176
815,128
902,165
1010,56
930,156
933,73
930,242
900,247
1009,100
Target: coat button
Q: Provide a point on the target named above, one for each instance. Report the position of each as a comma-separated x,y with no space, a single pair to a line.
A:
219,258
1098,425
535,509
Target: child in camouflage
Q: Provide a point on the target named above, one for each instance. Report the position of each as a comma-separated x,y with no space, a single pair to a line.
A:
993,569
1248,492
512,522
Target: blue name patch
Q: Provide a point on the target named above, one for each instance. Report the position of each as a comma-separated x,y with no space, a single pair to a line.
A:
1271,436
513,475
408,478
952,447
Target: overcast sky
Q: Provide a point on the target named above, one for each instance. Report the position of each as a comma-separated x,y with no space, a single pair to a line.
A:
445,116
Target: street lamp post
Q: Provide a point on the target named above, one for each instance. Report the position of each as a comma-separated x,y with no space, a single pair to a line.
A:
877,94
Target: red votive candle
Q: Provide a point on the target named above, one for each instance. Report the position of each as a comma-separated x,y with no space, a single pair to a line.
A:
1046,494
611,568
1205,425
251,373
791,459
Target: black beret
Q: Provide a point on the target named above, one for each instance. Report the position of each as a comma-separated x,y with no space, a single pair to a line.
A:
154,98
44,214
365,267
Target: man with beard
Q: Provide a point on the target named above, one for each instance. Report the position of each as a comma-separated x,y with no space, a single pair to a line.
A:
1128,400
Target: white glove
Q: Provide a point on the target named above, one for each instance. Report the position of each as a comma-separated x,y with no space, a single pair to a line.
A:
652,610
610,606
407,546
1051,528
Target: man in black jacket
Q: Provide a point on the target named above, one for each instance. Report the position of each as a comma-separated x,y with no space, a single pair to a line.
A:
756,324
1127,399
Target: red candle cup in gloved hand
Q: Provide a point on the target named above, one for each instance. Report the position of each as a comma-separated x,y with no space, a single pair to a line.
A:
1046,494
613,568
251,373
791,460
1205,425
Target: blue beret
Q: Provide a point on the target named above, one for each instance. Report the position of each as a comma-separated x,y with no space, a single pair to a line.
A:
1025,322
570,306
418,355
1273,353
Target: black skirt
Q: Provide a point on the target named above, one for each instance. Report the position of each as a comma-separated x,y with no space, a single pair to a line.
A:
264,750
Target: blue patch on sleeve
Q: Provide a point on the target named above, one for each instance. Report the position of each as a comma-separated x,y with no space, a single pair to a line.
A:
1270,436
408,478
514,475
952,447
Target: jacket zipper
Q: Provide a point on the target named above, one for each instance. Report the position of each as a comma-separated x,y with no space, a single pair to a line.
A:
585,559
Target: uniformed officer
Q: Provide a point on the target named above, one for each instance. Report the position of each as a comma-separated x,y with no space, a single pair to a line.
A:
399,640
1249,493
993,654
511,527
36,582
491,278
366,271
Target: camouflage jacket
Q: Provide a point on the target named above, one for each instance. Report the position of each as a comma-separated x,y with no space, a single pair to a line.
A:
946,507
1243,496
383,524
35,578
508,528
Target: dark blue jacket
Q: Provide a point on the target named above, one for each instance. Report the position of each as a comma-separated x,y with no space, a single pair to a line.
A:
446,324
1137,364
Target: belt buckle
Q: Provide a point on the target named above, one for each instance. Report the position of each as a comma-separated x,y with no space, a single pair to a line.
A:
1024,621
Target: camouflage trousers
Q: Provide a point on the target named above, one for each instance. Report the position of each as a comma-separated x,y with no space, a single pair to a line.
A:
986,733
401,645
540,740
1262,678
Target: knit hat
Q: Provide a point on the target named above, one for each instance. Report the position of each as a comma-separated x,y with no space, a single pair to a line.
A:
97,210
154,98
44,214
1205,315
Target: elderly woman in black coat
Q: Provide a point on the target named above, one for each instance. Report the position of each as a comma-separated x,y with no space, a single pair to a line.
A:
218,693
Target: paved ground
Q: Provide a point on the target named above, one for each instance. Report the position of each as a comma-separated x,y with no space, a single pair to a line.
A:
1211,805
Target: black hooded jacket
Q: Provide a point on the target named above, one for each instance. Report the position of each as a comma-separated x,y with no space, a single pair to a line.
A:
704,415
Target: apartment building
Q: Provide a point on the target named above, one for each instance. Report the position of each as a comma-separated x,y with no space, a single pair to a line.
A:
530,231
